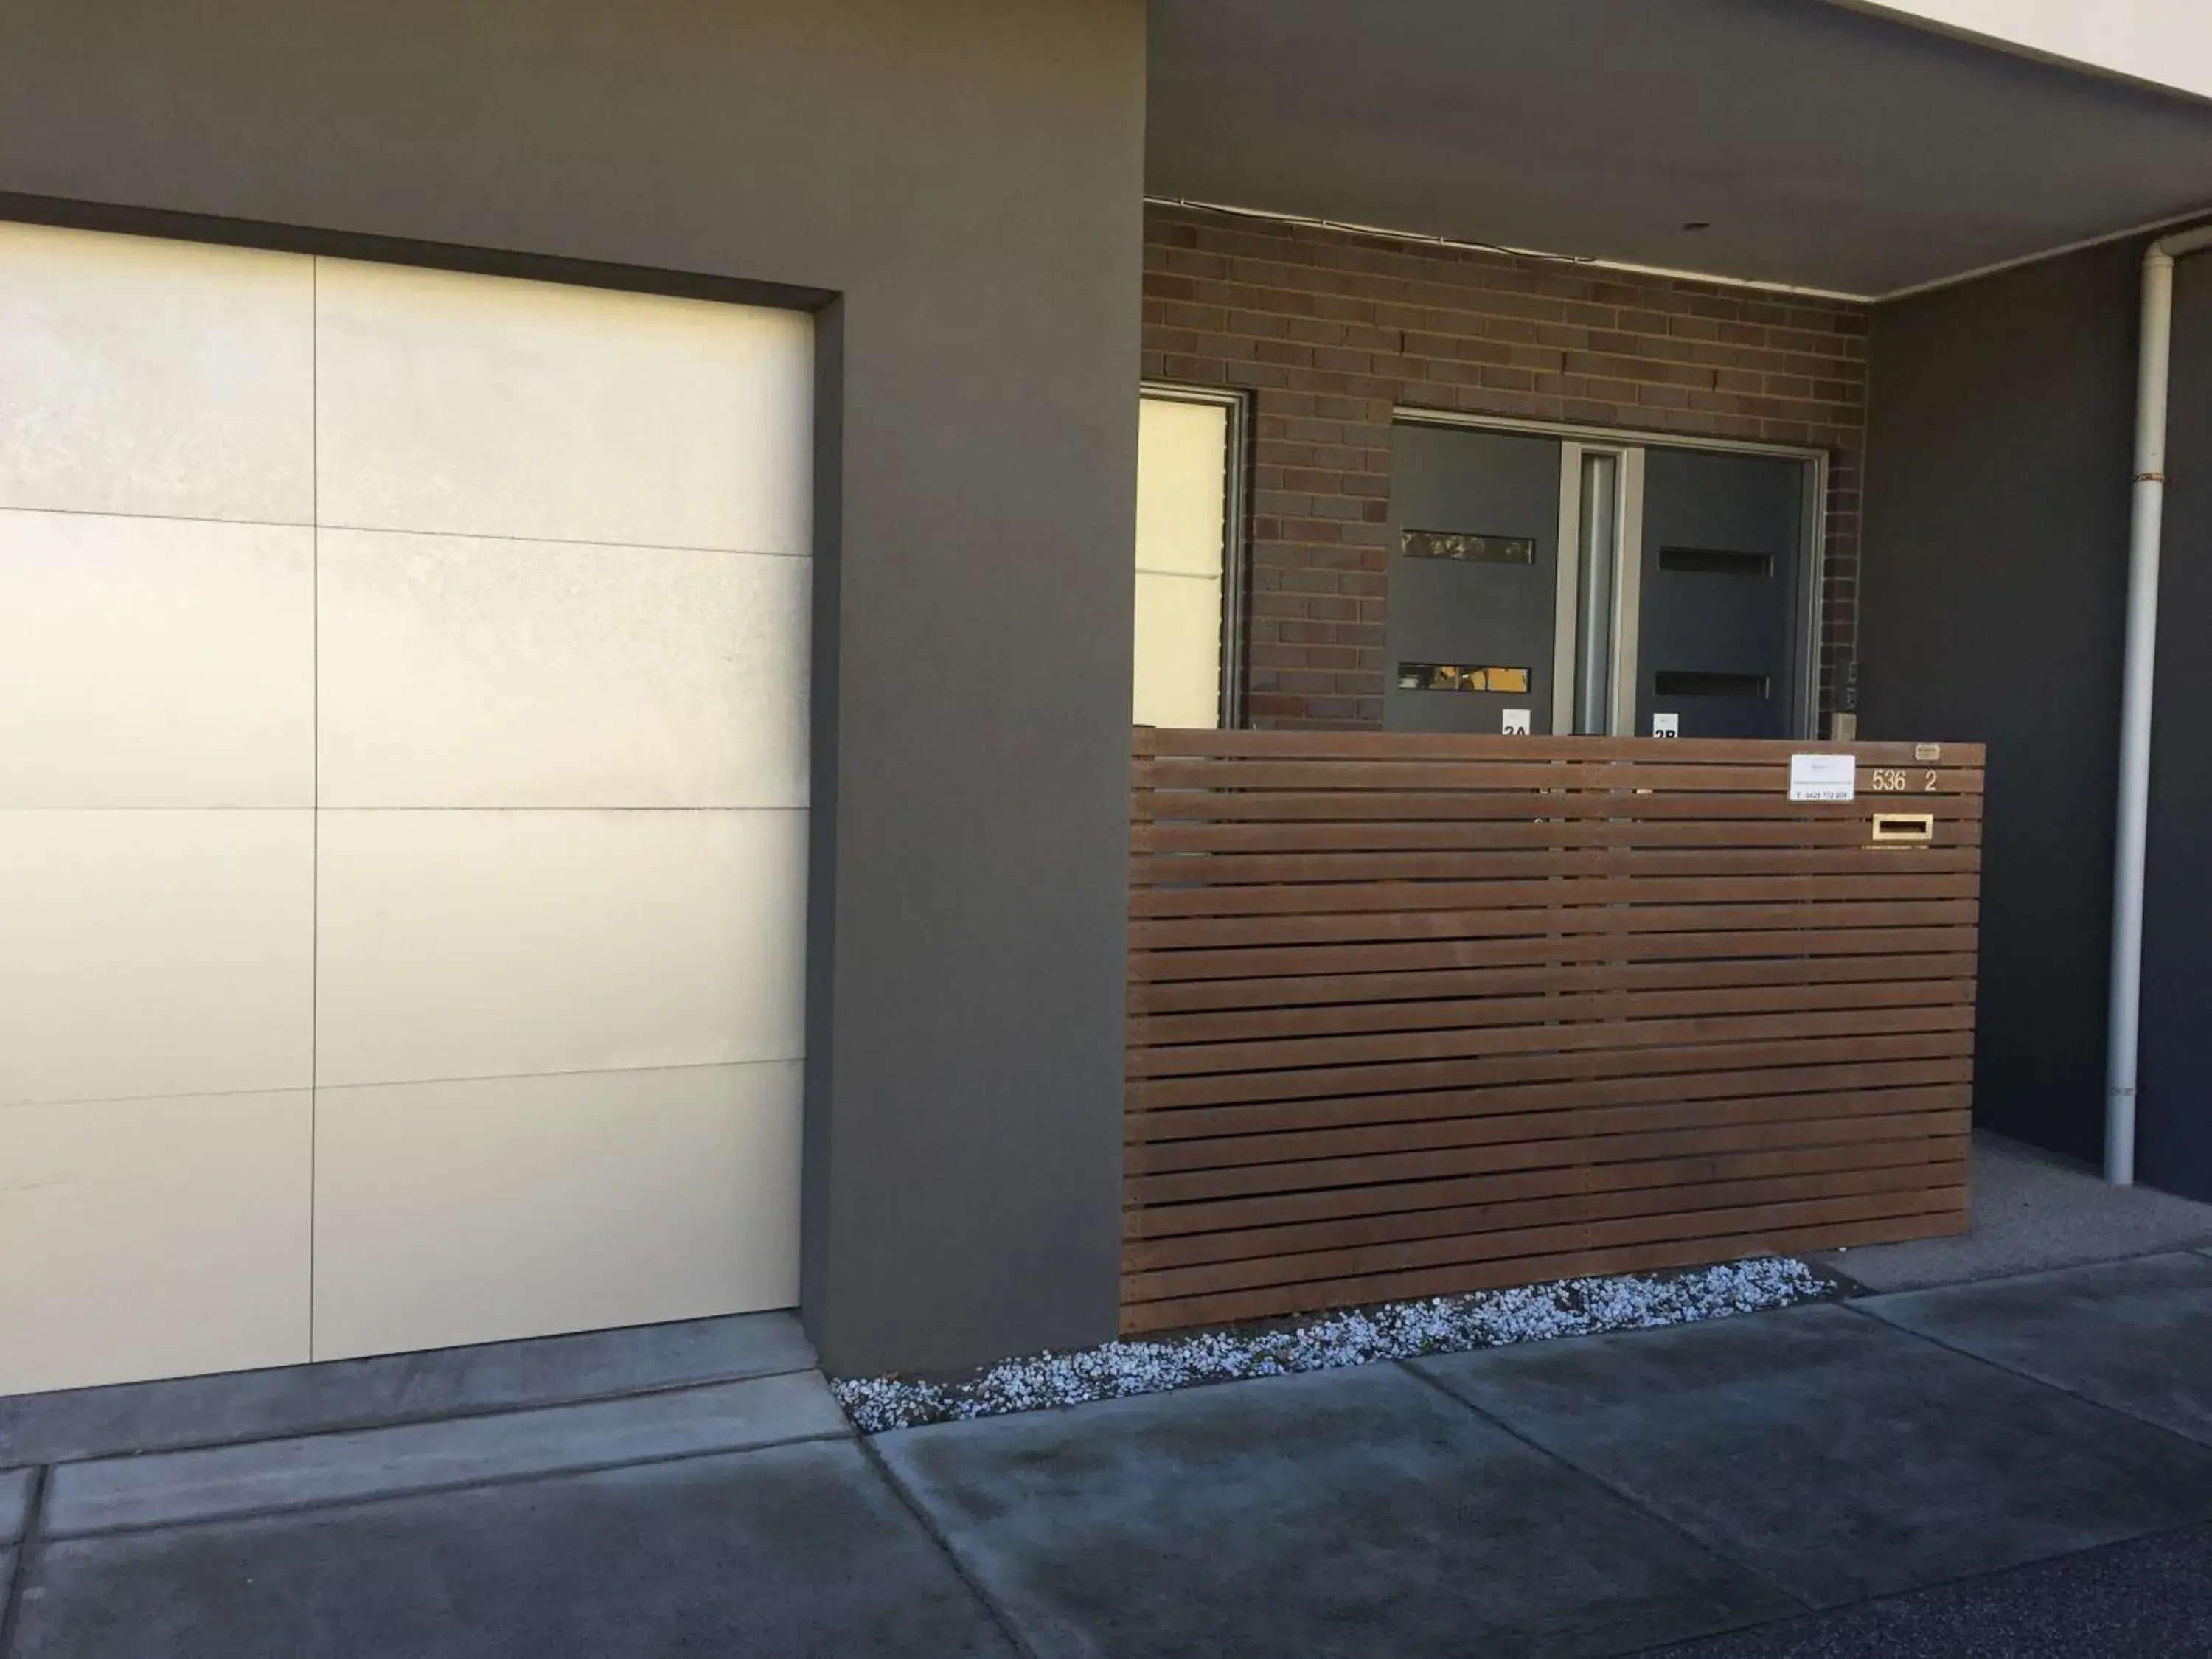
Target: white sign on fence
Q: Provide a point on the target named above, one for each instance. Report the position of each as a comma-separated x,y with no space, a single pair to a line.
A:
1823,777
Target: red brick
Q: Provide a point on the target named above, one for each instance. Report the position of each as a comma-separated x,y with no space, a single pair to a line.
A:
1330,329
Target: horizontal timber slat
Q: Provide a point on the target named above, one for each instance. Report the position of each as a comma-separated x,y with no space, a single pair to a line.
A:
1551,1037
1902,880
1139,1318
1311,1083
1581,1140
1416,1013
1269,1213
1224,868
1874,1082
1501,1212
1309,1266
1303,991
1512,833
1261,961
1409,1159
1720,810
1256,1155
1161,1031
1566,916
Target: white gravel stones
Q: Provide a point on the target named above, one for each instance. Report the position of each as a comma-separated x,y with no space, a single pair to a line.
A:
1396,1330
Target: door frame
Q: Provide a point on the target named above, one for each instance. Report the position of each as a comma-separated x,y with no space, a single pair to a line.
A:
1577,438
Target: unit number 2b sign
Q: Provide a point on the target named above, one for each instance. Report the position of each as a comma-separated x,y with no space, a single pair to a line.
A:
1823,777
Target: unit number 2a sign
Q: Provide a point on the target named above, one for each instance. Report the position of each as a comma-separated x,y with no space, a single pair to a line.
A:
1897,781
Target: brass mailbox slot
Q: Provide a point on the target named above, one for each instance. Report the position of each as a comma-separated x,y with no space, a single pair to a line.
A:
1904,829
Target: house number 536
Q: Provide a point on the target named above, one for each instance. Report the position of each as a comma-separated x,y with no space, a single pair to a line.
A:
1895,781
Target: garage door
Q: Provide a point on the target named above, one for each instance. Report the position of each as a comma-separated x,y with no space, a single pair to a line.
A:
402,801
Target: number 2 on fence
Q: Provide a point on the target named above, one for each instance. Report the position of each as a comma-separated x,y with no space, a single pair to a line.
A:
1895,781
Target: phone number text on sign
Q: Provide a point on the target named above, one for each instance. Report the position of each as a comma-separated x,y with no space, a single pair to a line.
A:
1823,777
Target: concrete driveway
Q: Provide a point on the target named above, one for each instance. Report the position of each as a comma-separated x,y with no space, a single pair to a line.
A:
2020,1466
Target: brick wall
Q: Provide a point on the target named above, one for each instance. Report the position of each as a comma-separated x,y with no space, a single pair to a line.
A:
1330,330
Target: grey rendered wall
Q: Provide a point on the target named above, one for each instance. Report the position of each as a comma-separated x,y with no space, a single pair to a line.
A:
1995,569
966,177
2173,1123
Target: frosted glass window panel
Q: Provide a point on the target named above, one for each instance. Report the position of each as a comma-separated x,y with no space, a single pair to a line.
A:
1178,662
1182,461
1182,455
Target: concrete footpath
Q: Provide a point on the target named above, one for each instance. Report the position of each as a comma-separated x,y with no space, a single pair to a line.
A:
2018,1467
2004,1448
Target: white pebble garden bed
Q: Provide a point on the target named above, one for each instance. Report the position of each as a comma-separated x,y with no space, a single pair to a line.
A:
1396,1330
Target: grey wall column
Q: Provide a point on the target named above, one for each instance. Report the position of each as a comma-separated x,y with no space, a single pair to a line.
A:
1994,582
1994,594
966,177
2174,1120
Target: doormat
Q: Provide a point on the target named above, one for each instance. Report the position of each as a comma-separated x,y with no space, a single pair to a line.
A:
1357,1336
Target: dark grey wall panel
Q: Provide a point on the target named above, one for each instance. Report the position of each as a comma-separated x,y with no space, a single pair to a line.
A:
1994,579
2173,1114
966,177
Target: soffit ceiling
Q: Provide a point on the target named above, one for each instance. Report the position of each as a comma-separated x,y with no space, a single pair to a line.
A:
1825,147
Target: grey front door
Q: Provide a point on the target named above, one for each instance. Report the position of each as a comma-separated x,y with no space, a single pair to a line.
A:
1474,551
1718,644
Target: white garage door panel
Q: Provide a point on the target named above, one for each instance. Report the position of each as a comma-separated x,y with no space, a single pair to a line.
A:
403,806
476,672
479,406
154,952
153,1238
488,943
155,377
575,1202
156,662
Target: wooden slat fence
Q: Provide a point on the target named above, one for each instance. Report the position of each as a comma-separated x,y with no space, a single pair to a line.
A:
1418,1014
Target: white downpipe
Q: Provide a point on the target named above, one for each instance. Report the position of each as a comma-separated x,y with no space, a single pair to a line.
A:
2146,522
